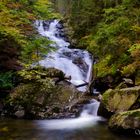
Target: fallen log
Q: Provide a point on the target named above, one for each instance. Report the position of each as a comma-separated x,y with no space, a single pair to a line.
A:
81,85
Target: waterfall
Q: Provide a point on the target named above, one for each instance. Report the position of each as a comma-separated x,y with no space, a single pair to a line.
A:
90,109
73,62
88,118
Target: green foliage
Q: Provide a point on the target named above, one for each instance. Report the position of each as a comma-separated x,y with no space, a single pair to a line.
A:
105,66
27,95
113,37
133,68
35,85
31,74
134,47
6,80
18,31
34,49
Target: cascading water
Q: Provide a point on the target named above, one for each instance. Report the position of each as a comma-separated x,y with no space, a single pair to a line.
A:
76,63
73,62
87,118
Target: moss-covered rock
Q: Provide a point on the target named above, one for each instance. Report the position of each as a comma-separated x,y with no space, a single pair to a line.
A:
137,79
126,121
42,93
119,100
39,72
42,100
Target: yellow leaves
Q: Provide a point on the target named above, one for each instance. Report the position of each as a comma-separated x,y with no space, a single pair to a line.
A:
42,2
128,70
134,48
4,129
14,5
34,56
135,65
102,66
136,54
16,24
5,18
124,41
136,28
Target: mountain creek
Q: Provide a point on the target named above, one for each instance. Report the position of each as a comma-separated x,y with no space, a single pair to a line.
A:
87,122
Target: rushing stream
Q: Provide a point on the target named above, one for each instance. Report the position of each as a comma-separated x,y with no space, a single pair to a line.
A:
77,64
73,62
88,126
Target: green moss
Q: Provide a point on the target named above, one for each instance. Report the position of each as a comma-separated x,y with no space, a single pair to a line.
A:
120,100
106,96
125,120
28,94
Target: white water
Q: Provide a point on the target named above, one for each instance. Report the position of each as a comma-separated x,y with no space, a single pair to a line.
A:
88,118
75,63
63,58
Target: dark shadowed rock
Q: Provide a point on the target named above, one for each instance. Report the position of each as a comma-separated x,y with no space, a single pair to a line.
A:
128,121
115,101
20,113
43,100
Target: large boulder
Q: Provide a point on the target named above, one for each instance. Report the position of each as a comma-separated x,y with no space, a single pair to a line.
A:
42,100
128,121
119,100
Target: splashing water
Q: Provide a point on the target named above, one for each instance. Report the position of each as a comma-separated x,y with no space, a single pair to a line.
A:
73,62
87,118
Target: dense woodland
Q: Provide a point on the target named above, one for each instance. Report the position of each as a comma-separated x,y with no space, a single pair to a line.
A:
108,29
20,44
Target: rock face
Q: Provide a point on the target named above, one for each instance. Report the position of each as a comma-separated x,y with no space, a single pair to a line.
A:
122,106
128,121
43,93
42,101
119,100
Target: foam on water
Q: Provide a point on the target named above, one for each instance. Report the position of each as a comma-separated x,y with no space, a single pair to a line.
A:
58,59
87,118
75,63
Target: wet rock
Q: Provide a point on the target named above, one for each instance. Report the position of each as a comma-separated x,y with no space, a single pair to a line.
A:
122,85
128,81
81,63
67,54
1,106
59,26
118,100
46,24
128,121
137,78
20,114
43,100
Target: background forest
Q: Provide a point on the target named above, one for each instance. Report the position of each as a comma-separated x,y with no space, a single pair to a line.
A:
29,89
20,45
110,30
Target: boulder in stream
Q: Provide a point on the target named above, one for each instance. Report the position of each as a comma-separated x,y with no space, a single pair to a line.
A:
41,98
119,100
126,122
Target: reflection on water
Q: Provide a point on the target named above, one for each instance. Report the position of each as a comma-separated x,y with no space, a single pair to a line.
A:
36,130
